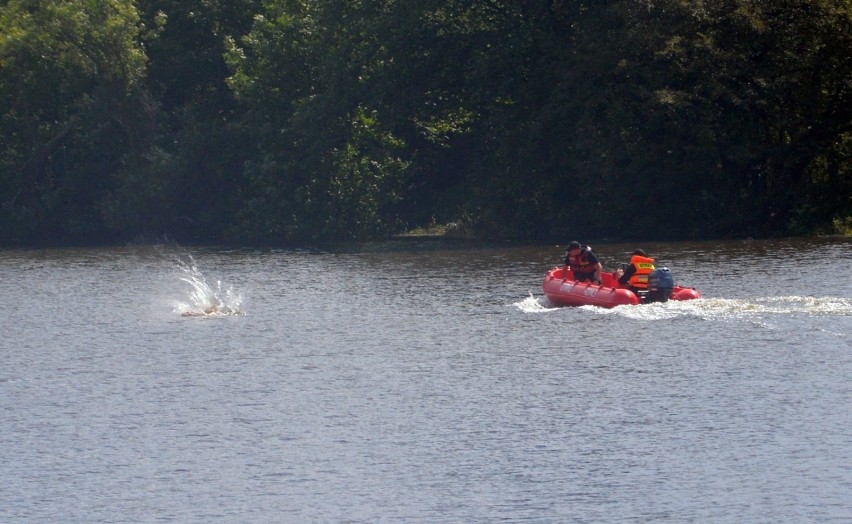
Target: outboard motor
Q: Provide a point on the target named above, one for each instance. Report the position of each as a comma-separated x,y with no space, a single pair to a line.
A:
660,285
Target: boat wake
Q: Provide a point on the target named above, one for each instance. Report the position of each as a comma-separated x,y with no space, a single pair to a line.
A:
752,309
816,306
205,300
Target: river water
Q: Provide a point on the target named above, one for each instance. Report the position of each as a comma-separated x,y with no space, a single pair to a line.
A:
401,384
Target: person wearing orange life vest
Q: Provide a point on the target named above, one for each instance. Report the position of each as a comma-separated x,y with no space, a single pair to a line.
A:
583,263
636,274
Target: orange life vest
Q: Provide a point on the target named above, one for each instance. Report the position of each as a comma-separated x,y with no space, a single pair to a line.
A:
581,263
644,266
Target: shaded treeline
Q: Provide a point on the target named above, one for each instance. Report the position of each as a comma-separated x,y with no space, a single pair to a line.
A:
299,120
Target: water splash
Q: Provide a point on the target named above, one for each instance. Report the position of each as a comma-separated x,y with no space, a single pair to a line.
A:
204,299
533,304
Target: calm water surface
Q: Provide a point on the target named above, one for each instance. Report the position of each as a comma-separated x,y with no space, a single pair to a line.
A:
423,386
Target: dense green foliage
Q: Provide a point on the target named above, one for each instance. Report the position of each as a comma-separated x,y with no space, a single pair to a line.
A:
297,120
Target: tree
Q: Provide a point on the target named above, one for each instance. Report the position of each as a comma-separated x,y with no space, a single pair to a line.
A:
327,166
71,106
202,143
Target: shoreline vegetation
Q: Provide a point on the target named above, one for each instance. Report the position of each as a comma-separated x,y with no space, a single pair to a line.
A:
436,237
278,122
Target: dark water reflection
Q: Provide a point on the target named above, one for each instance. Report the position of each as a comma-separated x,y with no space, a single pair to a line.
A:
423,385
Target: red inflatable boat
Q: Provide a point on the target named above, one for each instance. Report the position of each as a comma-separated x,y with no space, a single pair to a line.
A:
562,290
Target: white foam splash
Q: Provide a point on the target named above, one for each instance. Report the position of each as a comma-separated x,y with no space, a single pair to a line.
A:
204,299
532,304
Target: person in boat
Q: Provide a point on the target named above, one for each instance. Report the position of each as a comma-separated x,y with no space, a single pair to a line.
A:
583,262
635,274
